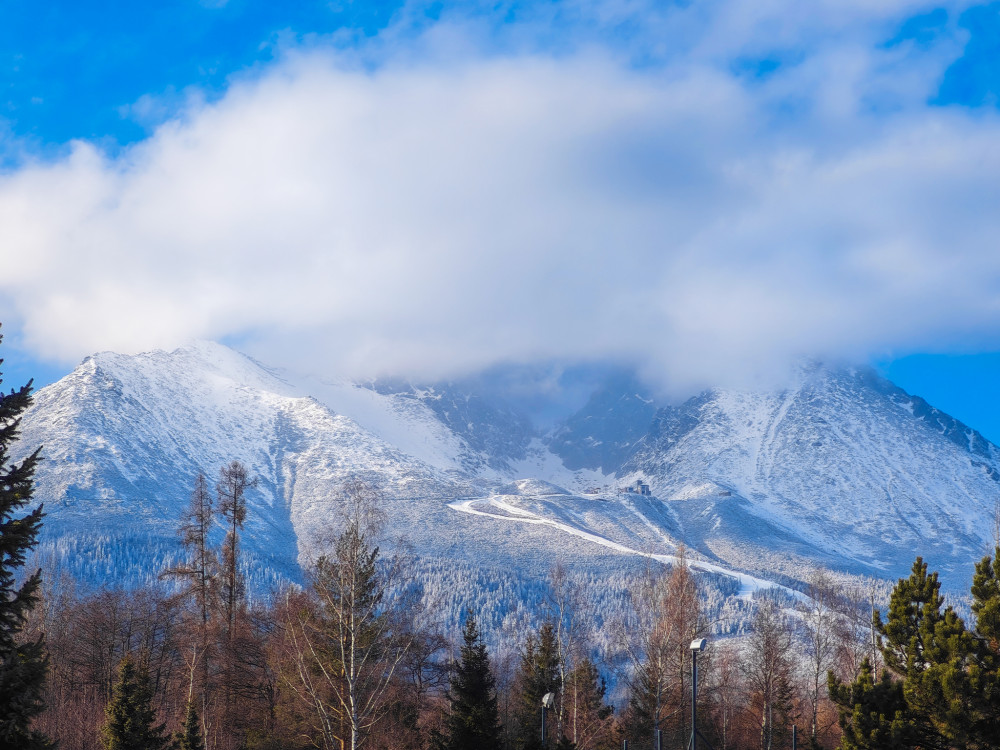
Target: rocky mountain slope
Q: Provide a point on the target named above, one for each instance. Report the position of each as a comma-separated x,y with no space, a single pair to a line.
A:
841,469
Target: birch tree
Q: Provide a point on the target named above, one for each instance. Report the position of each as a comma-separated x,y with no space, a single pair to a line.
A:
564,602
819,624
768,670
349,642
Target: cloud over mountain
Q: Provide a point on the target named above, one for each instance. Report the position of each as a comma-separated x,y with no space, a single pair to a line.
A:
716,191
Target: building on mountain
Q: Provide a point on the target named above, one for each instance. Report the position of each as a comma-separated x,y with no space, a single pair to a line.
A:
639,488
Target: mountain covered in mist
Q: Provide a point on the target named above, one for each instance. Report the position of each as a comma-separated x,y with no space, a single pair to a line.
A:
840,469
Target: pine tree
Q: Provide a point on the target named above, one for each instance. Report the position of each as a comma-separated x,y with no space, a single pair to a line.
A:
984,677
200,571
130,716
538,675
234,677
872,716
349,642
933,663
189,738
199,574
589,721
23,665
645,704
474,721
931,650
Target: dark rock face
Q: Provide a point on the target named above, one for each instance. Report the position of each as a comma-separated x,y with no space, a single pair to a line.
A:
606,430
495,433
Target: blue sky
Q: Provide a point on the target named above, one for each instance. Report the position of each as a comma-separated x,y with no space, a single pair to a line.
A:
707,190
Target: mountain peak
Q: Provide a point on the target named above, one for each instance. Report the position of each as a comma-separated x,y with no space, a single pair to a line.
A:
839,468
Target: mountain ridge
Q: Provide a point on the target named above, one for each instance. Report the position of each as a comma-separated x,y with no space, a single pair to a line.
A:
842,469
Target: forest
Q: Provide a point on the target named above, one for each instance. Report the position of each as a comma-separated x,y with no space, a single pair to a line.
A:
354,658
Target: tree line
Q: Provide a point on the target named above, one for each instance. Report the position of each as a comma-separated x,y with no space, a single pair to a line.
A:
357,658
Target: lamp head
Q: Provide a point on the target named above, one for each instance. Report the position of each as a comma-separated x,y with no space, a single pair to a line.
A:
548,700
698,644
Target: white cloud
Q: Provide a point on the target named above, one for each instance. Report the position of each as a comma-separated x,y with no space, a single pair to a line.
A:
433,214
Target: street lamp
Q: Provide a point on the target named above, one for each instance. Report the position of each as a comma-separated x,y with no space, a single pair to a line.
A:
697,645
548,700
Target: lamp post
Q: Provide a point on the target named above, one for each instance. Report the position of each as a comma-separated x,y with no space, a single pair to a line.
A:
548,700
697,646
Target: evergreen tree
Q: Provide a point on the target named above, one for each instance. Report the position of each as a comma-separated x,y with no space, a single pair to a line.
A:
986,600
646,703
234,677
984,676
349,642
933,692
589,719
474,721
130,716
872,716
189,738
931,650
23,665
200,572
538,675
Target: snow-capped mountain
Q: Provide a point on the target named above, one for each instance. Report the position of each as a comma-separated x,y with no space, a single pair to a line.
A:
125,437
841,469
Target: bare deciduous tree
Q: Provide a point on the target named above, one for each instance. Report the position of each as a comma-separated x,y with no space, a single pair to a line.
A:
819,625
234,481
348,642
667,617
563,602
727,691
768,669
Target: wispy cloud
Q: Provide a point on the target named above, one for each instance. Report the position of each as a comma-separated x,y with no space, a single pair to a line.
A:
706,191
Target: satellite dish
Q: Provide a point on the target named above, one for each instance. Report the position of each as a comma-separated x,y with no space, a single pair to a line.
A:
548,700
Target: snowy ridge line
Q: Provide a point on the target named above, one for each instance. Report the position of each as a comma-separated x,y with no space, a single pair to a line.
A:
748,584
837,472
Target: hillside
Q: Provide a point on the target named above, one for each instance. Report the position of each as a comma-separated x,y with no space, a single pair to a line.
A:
841,469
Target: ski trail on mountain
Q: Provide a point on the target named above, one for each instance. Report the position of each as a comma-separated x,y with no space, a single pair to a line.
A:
748,584
842,469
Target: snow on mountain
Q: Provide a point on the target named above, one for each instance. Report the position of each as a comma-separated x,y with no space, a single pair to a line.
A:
125,437
604,432
842,469
493,435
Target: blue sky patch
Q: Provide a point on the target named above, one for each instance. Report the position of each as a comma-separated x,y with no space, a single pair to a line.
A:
974,79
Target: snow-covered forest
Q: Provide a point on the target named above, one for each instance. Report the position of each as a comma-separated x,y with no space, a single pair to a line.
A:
364,656
207,636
